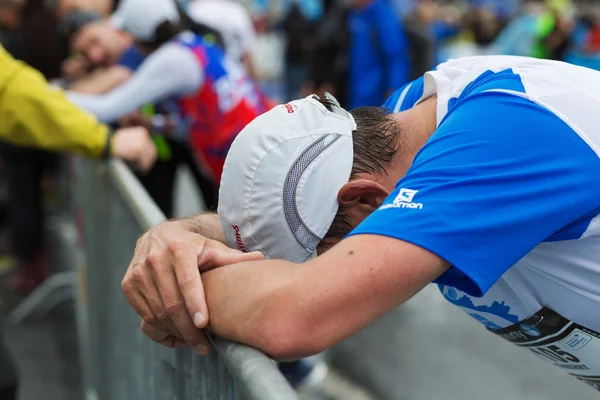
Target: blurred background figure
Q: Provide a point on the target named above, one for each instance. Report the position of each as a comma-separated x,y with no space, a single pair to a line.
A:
299,27
378,62
328,60
233,22
36,115
207,94
106,57
31,35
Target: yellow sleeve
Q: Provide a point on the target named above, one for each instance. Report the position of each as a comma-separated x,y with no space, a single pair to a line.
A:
34,114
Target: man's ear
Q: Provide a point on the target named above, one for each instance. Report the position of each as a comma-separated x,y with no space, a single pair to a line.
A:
362,192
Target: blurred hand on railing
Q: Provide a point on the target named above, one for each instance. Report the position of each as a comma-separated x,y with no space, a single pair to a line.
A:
135,118
135,146
163,281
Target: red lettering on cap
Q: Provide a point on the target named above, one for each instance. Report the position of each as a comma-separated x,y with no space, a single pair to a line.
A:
289,108
238,239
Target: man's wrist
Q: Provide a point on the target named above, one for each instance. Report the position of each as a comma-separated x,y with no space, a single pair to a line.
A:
207,225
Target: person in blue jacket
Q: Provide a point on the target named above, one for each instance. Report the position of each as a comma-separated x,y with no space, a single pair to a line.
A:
378,61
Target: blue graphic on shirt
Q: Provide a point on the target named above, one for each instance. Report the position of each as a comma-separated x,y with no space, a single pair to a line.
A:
485,321
499,309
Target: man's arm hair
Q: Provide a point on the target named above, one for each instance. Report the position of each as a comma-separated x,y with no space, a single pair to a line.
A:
295,310
102,81
207,225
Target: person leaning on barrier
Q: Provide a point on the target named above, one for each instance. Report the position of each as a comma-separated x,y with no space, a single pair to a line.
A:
210,94
483,180
34,114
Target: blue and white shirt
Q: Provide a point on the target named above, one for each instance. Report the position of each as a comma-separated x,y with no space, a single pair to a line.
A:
507,190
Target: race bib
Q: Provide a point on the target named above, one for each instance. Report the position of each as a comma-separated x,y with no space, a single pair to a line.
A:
565,344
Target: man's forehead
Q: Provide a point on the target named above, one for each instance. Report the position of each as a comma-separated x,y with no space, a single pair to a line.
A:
93,30
83,36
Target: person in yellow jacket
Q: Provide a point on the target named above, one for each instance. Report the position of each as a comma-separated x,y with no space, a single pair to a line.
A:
32,113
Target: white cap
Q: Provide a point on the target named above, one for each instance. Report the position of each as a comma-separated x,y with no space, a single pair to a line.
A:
141,17
282,176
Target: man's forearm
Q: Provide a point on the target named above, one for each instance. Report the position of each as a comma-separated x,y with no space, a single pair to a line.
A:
100,82
207,225
294,310
246,305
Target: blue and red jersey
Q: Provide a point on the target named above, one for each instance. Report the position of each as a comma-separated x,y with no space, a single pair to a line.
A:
224,104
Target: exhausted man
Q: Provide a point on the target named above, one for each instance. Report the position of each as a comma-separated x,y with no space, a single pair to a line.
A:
485,182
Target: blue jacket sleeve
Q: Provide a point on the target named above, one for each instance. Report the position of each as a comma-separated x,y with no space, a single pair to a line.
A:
394,45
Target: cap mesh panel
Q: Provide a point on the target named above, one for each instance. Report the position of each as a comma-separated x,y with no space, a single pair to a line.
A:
307,238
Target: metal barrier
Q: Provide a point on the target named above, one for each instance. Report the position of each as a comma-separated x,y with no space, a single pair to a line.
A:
120,363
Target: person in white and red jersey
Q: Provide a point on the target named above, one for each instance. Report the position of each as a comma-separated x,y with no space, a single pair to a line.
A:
231,19
212,94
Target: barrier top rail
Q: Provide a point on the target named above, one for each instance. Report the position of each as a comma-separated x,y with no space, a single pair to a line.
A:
253,371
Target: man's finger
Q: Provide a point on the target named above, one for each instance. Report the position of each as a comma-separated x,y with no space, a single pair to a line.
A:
161,337
141,249
141,306
141,292
214,257
172,299
163,321
185,261
153,332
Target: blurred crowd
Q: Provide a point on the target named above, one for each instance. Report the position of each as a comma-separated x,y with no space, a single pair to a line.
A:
195,72
360,50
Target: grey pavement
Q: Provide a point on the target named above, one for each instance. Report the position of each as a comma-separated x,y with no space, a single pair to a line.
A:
428,349
45,351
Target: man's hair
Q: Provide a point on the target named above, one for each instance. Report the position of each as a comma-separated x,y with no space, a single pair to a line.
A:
74,22
375,143
164,32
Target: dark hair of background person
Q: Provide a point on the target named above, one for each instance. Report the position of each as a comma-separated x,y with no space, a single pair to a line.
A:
375,144
40,44
167,30
74,21
328,62
164,32
209,34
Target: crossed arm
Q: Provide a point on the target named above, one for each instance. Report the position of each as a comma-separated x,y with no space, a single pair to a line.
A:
284,309
170,71
98,82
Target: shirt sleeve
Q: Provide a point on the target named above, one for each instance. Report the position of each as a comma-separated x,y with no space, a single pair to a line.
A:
499,176
170,71
132,58
34,114
406,97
